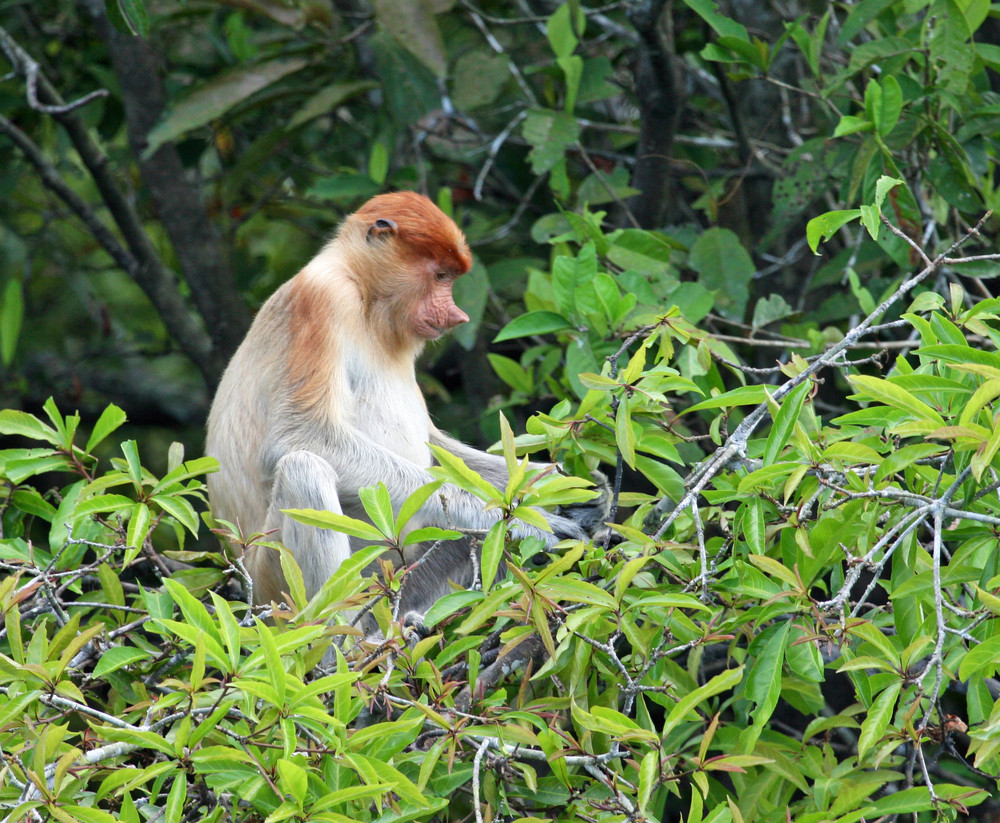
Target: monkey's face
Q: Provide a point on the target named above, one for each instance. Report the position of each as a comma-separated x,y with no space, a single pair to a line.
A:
435,312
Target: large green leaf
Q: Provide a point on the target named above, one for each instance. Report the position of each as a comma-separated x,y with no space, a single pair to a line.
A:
724,266
213,99
550,133
414,26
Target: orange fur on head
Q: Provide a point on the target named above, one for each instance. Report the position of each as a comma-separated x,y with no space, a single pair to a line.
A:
423,229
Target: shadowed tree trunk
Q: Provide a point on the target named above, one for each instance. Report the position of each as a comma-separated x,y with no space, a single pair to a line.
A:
657,86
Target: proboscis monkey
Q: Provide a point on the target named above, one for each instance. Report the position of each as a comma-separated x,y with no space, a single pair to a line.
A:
321,399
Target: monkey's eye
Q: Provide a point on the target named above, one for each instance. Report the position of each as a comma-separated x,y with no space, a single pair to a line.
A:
441,275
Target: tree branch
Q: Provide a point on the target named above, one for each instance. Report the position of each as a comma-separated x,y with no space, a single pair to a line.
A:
141,261
177,199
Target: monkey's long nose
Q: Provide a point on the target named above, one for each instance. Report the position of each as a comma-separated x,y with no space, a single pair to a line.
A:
456,317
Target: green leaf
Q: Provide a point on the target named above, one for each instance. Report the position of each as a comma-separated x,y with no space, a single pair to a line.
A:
849,124
724,266
983,457
478,80
563,28
550,133
512,373
111,418
29,501
375,771
666,479
647,252
949,353
194,611
755,52
11,317
104,504
985,394
684,709
429,534
346,188
138,525
885,184
471,292
666,600
534,322
775,570
884,103
753,524
230,630
414,503
276,674
453,468
769,310
784,422
883,391
293,780
27,425
73,813
378,506
449,604
824,226
898,460
378,163
129,16
572,68
952,183
763,685
180,509
905,802
950,50
877,721
414,26
171,482
131,451
210,101
338,522
649,779
578,591
860,16
410,89
742,396
493,546
327,99
118,657
878,50
723,25
624,433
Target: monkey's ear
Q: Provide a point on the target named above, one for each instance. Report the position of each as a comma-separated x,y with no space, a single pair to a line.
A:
381,229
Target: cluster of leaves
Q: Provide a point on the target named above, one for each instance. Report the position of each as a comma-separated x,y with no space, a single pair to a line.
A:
841,570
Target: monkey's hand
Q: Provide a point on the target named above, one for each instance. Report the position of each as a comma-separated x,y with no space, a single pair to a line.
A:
590,515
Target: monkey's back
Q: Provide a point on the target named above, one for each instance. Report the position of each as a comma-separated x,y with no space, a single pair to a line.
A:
238,423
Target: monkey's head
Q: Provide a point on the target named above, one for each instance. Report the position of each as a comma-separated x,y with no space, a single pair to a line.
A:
405,255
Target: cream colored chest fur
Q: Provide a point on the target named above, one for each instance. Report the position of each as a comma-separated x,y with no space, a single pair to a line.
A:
386,405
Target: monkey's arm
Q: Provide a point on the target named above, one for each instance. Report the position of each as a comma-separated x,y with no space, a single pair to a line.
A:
358,461
589,515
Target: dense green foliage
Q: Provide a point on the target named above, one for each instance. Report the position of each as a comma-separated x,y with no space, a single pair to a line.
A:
797,615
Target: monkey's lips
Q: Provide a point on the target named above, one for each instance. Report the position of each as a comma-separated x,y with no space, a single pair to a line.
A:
436,333
428,331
